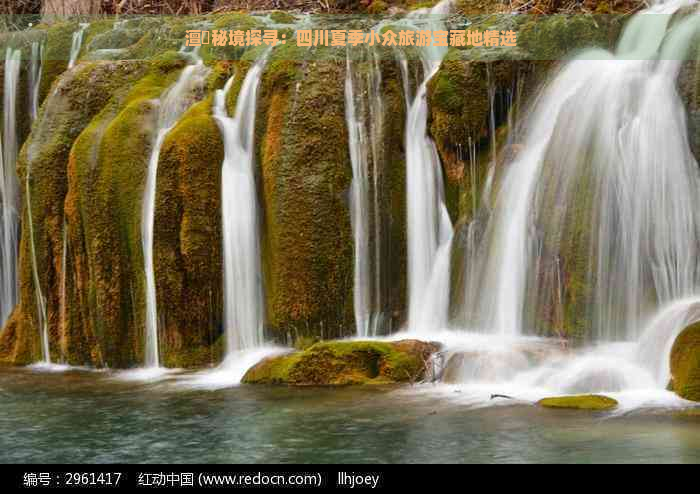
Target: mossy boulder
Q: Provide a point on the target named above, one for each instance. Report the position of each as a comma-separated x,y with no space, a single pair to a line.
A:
346,362
187,236
685,363
579,402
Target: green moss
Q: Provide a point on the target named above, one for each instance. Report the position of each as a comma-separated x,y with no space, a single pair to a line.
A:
478,7
557,36
579,402
459,115
346,362
77,98
59,38
685,363
305,174
236,20
187,239
103,35
280,17
305,342
377,7
421,4
106,179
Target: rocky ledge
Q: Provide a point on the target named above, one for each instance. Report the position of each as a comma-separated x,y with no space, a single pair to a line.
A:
337,363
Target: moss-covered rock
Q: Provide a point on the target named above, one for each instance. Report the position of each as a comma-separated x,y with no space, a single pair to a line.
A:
187,239
557,36
305,176
689,89
459,118
685,363
59,38
579,402
43,171
107,170
346,362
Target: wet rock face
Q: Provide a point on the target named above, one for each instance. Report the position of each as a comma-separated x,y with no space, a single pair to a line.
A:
685,363
347,362
689,90
44,165
88,154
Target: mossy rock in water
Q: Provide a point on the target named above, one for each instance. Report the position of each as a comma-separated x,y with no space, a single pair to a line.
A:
346,362
685,363
579,402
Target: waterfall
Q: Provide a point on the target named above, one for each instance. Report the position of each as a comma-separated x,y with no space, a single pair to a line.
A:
429,228
62,307
606,162
9,187
35,68
172,104
76,44
42,321
364,115
243,292
34,80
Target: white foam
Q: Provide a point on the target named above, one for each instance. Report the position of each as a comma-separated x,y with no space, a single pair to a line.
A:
232,369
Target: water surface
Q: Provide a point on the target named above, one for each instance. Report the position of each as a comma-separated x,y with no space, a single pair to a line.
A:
93,417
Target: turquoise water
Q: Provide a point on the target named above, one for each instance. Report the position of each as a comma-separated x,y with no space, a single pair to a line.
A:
92,417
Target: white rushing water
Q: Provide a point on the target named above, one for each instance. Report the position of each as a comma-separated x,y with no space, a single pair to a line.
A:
34,79
605,152
364,115
62,302
243,291
9,187
172,104
76,44
41,319
429,227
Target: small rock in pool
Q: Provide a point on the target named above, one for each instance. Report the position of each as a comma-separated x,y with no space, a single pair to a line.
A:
579,402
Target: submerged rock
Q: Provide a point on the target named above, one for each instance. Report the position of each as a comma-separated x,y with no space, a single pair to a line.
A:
685,363
496,364
346,362
579,402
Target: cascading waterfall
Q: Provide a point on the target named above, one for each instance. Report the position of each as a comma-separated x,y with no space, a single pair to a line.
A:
77,44
364,112
605,188
606,150
9,186
34,79
429,227
35,69
172,104
42,320
243,293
